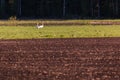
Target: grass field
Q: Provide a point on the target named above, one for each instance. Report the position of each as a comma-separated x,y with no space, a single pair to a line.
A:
31,32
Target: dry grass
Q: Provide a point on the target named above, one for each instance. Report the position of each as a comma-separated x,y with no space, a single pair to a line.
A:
58,22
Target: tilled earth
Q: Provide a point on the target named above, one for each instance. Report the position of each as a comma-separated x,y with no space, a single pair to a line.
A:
60,59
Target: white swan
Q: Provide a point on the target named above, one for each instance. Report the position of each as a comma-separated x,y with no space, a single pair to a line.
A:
39,26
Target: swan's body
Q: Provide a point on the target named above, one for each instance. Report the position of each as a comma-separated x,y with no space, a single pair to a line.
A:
40,26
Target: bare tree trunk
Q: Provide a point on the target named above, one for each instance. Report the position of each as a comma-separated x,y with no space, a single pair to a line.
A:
116,8
91,8
19,8
99,8
113,8
64,7
2,7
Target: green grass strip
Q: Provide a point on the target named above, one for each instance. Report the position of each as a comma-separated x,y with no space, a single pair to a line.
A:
85,31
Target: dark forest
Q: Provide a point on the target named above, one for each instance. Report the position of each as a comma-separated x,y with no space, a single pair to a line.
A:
80,9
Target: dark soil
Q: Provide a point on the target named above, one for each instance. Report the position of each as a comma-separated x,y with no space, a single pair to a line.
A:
60,59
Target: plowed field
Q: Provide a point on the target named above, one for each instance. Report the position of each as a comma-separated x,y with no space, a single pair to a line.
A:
60,59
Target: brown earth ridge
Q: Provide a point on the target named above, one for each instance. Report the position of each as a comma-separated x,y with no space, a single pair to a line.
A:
58,22
60,59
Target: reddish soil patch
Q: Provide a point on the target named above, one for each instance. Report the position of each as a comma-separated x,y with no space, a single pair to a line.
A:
60,59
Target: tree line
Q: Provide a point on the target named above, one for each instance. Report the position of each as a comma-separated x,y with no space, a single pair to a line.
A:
60,8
